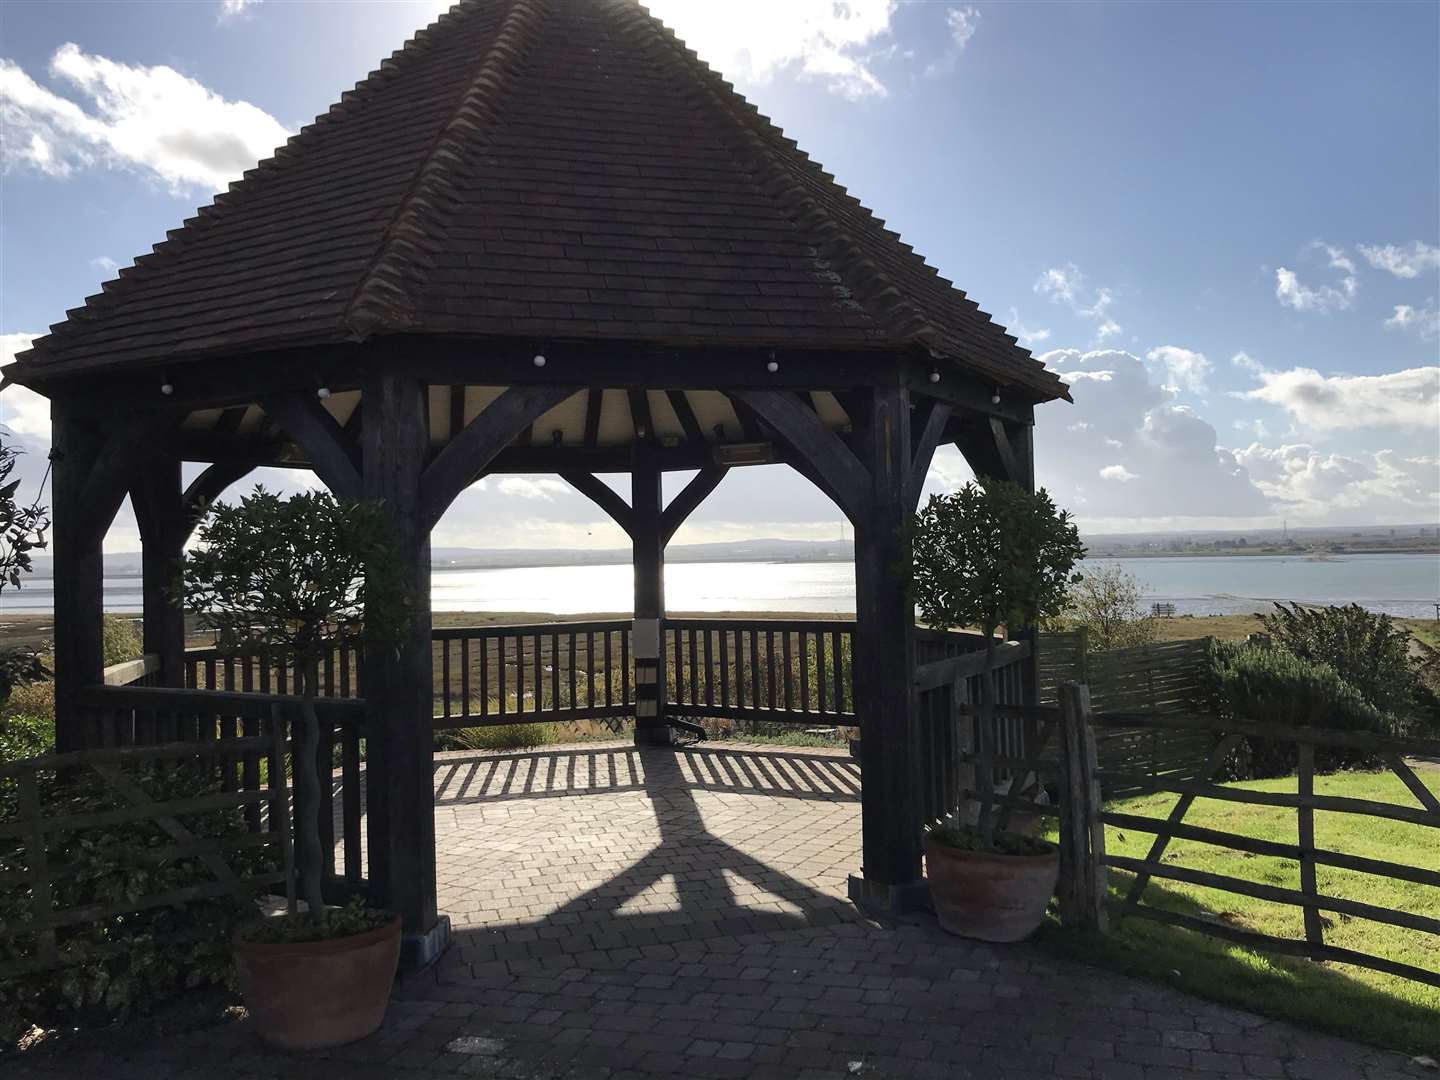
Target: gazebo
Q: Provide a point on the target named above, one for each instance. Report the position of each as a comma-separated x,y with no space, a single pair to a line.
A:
542,238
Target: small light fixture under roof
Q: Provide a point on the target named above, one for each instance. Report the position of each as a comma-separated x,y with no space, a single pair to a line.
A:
323,393
167,387
772,365
934,375
995,397
556,437
539,360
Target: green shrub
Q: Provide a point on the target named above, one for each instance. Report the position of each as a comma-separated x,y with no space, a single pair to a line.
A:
129,962
24,735
20,666
335,922
120,642
1366,650
1259,684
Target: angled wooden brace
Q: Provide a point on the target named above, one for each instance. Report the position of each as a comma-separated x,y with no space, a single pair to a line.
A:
693,494
470,451
603,496
207,487
925,445
109,479
838,470
332,453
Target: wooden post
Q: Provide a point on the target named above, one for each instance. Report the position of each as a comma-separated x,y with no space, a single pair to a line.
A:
1082,834
398,681
78,572
159,511
884,660
648,547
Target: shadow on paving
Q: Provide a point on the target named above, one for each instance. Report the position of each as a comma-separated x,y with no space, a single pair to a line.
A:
718,888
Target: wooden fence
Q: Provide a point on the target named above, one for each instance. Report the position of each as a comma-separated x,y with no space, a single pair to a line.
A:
132,716
1305,802
36,838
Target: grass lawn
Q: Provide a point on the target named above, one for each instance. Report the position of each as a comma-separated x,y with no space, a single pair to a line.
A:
1367,1005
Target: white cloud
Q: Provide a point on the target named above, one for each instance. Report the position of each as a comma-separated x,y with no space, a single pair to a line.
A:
234,9
1403,262
1246,362
1066,285
1424,321
1024,334
105,264
1366,486
22,412
831,41
962,22
1294,293
1187,368
151,119
1409,398
1127,451
533,487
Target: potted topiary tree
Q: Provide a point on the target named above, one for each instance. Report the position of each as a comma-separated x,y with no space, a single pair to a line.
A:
989,555
294,577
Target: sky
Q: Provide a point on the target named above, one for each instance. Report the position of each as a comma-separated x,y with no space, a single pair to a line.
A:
1219,222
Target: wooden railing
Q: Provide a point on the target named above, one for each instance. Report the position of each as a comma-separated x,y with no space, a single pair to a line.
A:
488,675
127,716
266,672
775,671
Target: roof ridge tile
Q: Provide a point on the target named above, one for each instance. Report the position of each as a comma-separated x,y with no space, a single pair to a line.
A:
384,297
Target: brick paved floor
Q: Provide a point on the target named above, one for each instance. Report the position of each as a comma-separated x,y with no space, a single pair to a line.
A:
625,914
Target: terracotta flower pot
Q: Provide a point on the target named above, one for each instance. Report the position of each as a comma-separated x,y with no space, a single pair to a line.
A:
978,894
313,994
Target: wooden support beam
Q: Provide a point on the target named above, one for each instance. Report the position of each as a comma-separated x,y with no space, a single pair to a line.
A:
333,455
469,453
78,571
885,662
594,402
690,497
207,487
156,498
603,496
640,418
844,478
107,480
398,681
686,415
648,634
926,440
457,410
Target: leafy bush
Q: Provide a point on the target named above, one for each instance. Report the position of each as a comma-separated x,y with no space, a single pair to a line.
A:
968,838
27,721
20,667
1367,650
128,962
1106,603
1256,684
120,642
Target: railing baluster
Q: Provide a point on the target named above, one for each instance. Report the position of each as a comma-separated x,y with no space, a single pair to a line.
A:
500,673
694,666
325,770
820,679
625,666
350,799
725,701
555,667
465,676
609,682
837,668
539,669
709,670
344,668
770,669
590,667
444,679
484,676
804,671
755,668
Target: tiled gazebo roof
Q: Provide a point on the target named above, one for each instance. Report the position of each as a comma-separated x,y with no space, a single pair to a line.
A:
538,169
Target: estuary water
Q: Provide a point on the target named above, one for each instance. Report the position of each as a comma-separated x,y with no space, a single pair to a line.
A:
1406,585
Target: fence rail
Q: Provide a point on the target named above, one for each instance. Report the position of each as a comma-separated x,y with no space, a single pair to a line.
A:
1224,738
36,837
146,717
